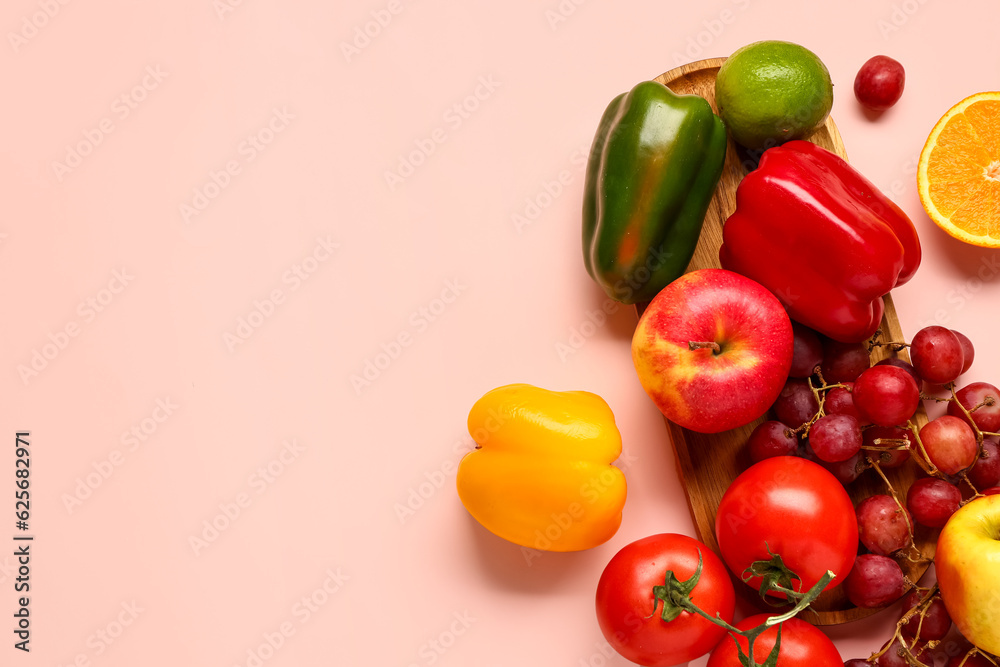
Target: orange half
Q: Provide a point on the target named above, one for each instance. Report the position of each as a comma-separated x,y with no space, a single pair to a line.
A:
958,176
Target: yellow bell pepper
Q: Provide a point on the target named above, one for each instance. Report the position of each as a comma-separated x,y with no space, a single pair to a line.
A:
541,473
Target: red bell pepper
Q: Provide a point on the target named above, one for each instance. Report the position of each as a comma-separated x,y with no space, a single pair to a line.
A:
822,238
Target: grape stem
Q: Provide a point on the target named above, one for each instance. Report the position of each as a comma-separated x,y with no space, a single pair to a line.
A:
819,393
974,651
874,342
986,402
975,492
921,609
884,456
975,428
968,415
925,460
896,444
902,509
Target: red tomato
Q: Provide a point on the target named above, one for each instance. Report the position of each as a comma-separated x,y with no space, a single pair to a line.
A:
797,509
802,645
625,601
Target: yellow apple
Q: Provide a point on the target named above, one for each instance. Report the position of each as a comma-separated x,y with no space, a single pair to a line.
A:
968,571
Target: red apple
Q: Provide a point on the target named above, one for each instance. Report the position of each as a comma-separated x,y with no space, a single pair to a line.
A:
967,563
713,350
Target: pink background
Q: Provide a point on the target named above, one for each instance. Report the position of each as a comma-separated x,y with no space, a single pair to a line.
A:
200,244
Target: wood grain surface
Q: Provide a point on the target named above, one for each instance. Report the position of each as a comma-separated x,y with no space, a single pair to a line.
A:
708,463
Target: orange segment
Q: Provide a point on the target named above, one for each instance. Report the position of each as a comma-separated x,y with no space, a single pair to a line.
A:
949,196
958,175
973,214
959,153
983,118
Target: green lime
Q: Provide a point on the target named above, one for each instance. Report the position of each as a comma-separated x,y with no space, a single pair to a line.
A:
771,92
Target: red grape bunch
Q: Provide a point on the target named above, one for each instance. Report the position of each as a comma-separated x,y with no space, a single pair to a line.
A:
849,415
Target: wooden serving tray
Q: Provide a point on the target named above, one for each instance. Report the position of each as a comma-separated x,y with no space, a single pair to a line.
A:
709,462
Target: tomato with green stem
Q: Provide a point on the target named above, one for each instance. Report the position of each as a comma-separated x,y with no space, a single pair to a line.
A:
800,645
633,603
793,508
675,631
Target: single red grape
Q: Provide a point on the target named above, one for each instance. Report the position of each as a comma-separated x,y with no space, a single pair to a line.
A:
986,417
835,438
905,365
874,581
771,438
932,501
807,351
890,457
985,472
968,351
843,362
879,83
882,526
796,403
950,444
886,395
845,471
935,624
937,354
840,401
858,662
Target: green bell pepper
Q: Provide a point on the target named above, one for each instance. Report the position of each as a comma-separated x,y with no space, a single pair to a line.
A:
653,167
